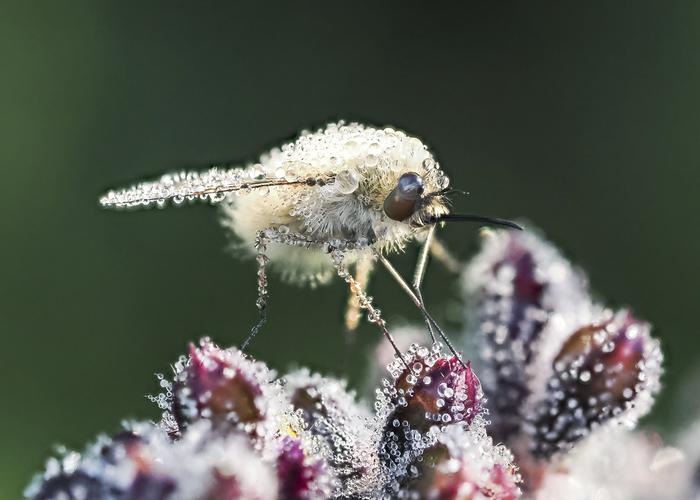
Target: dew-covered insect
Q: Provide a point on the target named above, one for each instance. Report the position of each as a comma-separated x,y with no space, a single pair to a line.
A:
347,194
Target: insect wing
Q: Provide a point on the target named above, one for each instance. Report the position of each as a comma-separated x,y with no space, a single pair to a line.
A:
212,185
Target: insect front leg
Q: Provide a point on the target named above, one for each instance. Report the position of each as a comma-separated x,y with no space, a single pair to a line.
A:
419,273
432,246
418,303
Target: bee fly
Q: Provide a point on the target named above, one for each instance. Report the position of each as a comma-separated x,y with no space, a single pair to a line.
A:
346,194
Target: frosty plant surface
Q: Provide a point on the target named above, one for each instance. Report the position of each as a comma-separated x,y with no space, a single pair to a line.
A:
546,410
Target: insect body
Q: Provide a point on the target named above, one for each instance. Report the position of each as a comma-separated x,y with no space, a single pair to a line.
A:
346,194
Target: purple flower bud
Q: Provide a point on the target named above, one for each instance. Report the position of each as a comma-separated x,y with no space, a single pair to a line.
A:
516,285
301,477
463,465
330,413
221,385
120,467
71,485
438,391
607,370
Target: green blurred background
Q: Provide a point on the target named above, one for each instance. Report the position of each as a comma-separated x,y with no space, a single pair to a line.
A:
581,118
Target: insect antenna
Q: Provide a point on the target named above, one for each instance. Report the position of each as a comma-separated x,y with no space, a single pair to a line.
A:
496,221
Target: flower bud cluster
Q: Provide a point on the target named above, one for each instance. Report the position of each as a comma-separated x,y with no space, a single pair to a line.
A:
557,374
232,429
228,432
556,367
434,442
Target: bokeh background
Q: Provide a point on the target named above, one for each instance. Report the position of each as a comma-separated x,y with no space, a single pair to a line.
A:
582,118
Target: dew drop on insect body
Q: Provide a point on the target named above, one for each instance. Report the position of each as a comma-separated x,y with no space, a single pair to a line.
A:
347,181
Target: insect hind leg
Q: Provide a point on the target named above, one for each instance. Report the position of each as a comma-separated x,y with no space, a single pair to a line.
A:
418,275
262,259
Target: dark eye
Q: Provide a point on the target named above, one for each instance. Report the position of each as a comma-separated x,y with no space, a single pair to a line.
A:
401,202
410,185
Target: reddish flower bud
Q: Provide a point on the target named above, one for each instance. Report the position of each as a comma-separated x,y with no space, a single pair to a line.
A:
332,414
463,465
221,385
606,370
438,391
300,477
120,467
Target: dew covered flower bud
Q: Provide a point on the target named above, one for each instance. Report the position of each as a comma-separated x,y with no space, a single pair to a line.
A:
415,405
202,464
211,464
463,464
118,467
616,463
221,385
301,476
606,370
521,295
438,390
331,413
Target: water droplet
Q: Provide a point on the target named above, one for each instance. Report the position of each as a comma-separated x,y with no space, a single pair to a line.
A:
346,181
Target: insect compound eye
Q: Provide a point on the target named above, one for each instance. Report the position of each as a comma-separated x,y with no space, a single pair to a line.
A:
401,202
410,185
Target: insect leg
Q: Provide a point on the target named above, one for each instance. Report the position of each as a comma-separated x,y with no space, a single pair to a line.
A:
275,235
352,312
443,255
397,277
373,314
261,301
420,272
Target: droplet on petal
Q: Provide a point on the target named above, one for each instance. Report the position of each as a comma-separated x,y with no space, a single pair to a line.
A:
347,428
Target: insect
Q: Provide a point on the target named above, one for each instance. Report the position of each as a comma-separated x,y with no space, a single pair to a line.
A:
345,195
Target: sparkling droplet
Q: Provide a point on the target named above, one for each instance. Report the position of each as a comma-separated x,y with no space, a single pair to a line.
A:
346,181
